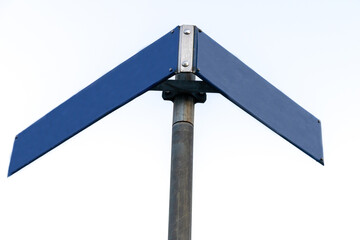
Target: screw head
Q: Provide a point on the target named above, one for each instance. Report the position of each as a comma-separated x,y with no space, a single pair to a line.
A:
185,63
170,69
187,31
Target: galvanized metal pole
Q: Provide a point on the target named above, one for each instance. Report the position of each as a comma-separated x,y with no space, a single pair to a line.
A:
181,164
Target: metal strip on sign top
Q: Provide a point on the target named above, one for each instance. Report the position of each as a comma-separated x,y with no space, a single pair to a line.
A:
186,49
248,90
147,68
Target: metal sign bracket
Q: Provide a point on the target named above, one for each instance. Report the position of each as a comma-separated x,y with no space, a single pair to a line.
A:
197,89
186,49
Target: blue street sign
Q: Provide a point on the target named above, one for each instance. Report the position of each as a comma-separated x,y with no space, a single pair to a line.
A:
248,90
173,53
125,82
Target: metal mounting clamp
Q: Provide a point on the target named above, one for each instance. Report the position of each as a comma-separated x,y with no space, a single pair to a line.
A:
197,89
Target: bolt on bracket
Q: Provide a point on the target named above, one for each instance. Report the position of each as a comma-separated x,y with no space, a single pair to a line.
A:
186,49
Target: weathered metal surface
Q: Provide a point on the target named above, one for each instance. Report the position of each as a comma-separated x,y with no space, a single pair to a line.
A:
181,165
248,90
125,82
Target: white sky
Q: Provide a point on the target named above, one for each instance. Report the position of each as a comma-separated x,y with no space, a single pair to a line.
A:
112,180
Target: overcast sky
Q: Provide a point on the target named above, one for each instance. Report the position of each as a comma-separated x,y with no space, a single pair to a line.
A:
111,181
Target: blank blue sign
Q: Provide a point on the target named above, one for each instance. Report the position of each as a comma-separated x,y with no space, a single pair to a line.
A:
154,64
125,82
248,90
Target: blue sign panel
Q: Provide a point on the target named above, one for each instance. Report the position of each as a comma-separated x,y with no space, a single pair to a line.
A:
248,90
125,82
